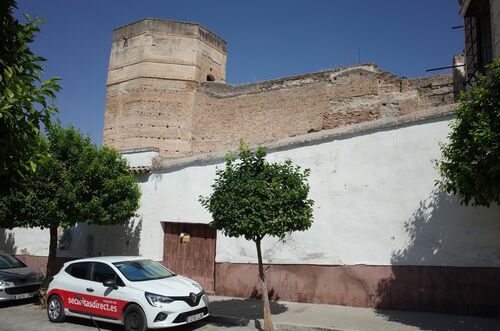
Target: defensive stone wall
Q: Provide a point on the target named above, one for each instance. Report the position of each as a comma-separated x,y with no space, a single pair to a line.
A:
155,68
166,89
271,110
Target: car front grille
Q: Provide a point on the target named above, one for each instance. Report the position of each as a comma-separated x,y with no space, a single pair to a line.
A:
189,300
22,289
181,318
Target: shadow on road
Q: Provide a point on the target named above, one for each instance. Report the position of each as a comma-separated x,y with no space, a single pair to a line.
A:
7,304
248,309
119,327
88,323
28,308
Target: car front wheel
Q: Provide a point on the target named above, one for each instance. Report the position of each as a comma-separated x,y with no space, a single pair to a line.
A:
134,319
55,309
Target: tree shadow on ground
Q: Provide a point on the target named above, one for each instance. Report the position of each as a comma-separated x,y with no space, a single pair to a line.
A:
271,294
7,242
432,273
13,303
244,309
190,326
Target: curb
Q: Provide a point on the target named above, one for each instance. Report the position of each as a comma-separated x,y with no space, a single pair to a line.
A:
230,321
258,323
300,327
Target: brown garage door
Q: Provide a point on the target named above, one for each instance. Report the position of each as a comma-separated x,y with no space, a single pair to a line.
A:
194,259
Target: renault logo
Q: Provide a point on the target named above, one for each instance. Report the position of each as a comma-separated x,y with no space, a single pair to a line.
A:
192,296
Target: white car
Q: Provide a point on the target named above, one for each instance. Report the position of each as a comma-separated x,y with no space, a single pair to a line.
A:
133,291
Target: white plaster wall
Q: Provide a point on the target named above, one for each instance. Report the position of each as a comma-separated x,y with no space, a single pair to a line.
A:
376,204
81,240
171,196
140,158
25,241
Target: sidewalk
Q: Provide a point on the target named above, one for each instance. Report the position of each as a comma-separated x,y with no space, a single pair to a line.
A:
293,316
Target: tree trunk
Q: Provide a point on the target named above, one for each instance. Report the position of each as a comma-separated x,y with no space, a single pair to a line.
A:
51,261
268,323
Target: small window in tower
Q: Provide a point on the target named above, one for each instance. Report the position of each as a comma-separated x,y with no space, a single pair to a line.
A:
210,78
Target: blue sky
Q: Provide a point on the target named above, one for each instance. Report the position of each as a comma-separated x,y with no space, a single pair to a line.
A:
266,39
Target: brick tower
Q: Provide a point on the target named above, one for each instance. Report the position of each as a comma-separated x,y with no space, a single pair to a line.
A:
155,68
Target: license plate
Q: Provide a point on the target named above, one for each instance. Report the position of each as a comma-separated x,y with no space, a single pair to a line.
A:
195,317
24,296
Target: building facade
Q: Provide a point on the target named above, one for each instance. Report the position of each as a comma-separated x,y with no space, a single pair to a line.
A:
481,35
383,235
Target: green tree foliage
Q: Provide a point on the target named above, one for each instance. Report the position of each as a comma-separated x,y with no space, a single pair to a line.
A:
470,165
253,198
79,182
26,100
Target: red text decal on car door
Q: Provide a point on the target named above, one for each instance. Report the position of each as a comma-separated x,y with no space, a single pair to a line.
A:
90,304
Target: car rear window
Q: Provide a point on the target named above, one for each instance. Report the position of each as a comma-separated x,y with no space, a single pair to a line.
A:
79,270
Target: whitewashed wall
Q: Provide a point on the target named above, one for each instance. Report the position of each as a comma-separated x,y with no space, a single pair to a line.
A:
25,241
83,239
375,204
141,157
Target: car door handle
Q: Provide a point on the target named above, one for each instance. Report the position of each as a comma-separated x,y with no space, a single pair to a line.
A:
90,289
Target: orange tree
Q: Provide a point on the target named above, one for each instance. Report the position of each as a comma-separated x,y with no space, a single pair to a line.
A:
79,182
252,198
26,100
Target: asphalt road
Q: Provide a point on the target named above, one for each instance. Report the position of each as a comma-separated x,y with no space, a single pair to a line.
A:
25,316
291,316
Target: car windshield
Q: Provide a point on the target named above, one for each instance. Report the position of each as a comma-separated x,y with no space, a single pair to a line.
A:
9,262
141,270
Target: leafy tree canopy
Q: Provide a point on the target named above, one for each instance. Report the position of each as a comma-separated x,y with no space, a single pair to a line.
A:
253,198
78,182
26,100
470,166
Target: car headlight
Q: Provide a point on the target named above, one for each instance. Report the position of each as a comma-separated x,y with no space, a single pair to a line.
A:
156,300
40,276
5,283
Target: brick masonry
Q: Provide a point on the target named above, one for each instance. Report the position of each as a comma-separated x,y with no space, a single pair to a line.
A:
265,112
158,95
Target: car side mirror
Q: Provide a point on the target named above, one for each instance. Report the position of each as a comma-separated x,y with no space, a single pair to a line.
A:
110,283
